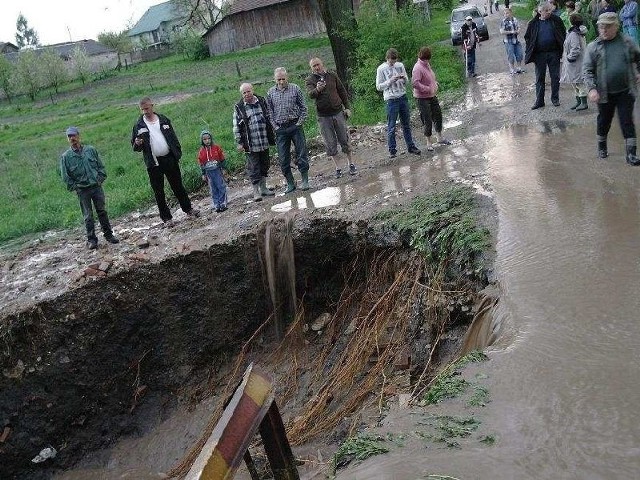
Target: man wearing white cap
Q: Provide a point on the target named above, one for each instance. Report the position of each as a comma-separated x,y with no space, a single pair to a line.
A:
610,71
83,172
469,33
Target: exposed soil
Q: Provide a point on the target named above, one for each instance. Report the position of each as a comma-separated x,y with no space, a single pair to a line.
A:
97,345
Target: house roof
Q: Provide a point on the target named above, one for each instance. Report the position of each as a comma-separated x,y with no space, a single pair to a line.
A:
154,17
91,47
8,47
246,5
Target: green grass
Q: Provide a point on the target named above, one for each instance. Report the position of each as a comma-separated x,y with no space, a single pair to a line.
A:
194,95
442,225
357,449
450,384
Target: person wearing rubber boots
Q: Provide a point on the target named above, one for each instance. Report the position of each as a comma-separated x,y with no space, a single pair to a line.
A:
253,133
610,71
288,112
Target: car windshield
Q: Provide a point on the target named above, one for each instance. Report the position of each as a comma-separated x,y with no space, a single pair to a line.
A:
459,16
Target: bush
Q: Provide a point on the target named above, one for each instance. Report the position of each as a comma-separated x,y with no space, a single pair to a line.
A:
190,44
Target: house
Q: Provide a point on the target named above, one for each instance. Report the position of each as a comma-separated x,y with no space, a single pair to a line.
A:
7,47
250,23
157,24
100,57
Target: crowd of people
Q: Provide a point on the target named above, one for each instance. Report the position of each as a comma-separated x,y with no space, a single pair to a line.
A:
605,72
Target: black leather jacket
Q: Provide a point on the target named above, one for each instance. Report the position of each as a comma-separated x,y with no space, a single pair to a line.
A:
140,129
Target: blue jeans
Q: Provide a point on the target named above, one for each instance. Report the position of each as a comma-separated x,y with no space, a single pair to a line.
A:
398,107
632,31
285,134
217,186
471,61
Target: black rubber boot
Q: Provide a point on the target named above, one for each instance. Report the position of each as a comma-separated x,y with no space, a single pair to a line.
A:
291,184
602,149
632,158
577,103
583,104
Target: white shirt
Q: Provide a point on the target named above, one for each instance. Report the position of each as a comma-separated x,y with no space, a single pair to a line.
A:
159,145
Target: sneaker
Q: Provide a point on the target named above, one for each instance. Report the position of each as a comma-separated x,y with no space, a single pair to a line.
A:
352,169
168,223
444,141
338,173
193,213
555,103
92,244
392,154
520,70
429,148
414,150
222,208
111,239
513,72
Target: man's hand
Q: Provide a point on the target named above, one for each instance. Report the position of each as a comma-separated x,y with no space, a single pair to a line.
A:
320,86
593,95
138,141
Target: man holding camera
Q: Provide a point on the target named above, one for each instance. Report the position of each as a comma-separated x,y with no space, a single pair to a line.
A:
332,104
154,136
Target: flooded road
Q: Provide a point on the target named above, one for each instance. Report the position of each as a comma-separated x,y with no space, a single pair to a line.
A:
564,391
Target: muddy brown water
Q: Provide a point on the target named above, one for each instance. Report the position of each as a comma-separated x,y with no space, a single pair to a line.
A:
565,387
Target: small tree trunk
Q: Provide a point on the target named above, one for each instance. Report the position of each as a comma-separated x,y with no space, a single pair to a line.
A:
337,15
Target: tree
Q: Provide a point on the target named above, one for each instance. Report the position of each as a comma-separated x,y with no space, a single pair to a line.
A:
25,36
338,16
7,84
81,64
120,42
29,73
54,69
201,14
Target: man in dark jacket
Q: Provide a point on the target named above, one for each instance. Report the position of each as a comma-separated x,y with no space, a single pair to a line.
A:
545,38
610,72
332,104
254,134
83,172
154,136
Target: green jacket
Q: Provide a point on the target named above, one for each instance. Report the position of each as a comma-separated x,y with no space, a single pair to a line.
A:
594,66
82,169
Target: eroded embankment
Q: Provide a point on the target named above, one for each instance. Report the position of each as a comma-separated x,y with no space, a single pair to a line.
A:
100,361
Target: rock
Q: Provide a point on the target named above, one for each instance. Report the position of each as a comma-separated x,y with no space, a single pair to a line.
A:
144,243
351,328
321,322
15,372
404,399
5,434
45,454
104,266
91,272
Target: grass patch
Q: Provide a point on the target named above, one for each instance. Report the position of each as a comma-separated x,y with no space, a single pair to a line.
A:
442,226
449,383
447,429
357,449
